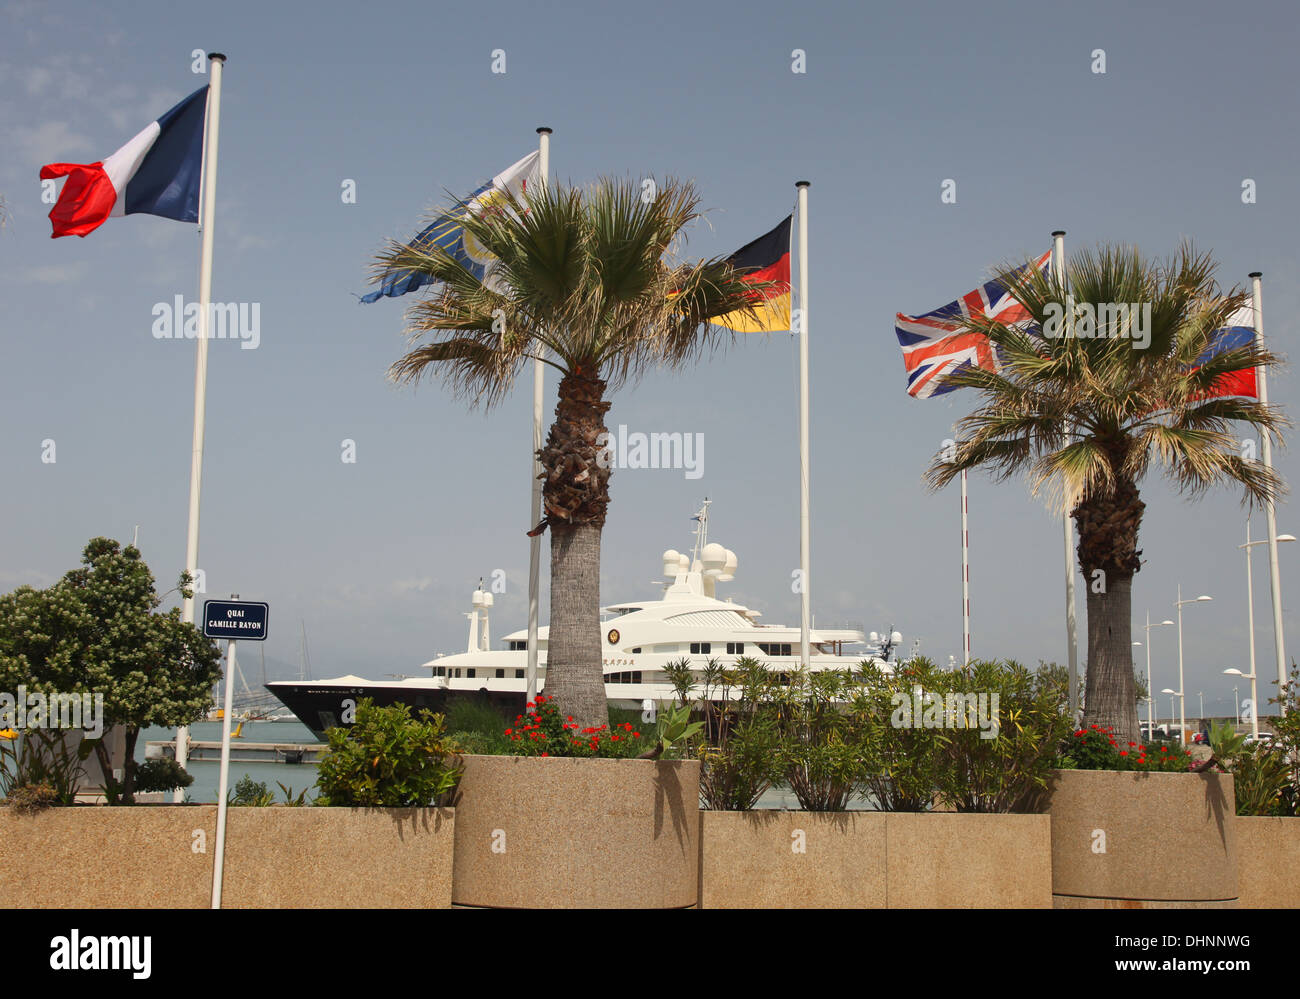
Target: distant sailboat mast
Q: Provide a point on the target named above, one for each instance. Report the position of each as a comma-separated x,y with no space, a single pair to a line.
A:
304,656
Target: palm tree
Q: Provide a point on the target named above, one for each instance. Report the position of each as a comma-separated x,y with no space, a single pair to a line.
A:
587,280
1086,417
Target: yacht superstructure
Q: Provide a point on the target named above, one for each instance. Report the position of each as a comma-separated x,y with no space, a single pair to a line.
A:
639,638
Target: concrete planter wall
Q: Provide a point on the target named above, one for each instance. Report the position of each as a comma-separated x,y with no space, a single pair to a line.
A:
322,858
1268,862
1169,840
537,832
108,858
874,860
146,857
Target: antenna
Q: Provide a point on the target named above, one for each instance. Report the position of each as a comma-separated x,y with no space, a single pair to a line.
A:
701,531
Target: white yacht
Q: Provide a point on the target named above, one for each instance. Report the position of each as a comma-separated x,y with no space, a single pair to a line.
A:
688,620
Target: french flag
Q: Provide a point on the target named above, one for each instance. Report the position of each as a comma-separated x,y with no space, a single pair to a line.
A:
156,173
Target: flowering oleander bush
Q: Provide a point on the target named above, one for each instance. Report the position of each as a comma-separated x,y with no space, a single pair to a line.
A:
388,759
1096,748
544,731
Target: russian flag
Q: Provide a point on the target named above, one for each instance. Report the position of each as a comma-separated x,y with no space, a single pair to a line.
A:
156,173
1240,332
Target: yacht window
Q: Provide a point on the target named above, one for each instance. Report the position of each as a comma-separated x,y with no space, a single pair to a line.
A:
735,648
519,674
698,648
501,674
636,650
469,673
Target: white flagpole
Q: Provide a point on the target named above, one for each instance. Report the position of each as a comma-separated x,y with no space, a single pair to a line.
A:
1071,632
207,206
965,576
539,391
805,539
1266,452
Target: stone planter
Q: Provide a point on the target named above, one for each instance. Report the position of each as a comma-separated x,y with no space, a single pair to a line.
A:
554,832
350,858
792,860
896,860
968,860
1268,862
160,856
95,857
1169,840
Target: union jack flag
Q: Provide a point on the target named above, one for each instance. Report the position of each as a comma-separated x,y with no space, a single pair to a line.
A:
934,344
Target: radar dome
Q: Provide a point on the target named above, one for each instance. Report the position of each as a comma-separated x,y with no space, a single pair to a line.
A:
714,557
672,559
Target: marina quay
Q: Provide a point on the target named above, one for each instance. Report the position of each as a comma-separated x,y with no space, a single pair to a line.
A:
590,458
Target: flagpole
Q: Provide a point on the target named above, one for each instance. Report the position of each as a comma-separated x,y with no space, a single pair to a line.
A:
539,390
1266,452
805,532
211,128
1067,529
965,576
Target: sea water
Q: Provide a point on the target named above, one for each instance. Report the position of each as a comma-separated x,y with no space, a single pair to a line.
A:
207,773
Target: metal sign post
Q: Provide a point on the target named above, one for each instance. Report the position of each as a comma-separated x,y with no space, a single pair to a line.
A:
232,619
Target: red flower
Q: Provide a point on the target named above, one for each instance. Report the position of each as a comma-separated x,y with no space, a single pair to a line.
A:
546,754
1123,752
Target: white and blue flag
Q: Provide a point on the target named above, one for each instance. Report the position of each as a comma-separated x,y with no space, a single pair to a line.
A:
447,232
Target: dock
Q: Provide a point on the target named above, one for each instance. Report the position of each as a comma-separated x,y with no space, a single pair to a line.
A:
205,751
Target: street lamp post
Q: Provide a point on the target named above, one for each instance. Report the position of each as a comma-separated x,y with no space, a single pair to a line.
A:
1250,618
1172,694
1182,701
1151,690
1254,712
1236,706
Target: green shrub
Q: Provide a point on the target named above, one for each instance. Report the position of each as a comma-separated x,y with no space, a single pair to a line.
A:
387,759
472,714
901,761
1001,759
161,775
739,745
821,750
251,793
43,758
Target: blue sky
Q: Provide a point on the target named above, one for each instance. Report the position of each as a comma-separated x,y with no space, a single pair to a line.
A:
379,557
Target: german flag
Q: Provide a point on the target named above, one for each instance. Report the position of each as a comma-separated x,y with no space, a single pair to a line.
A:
765,259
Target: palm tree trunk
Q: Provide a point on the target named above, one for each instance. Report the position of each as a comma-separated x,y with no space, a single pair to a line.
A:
576,494
1109,557
1110,698
574,672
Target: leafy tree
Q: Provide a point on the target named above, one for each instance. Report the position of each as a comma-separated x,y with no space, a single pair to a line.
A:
1087,416
587,280
98,631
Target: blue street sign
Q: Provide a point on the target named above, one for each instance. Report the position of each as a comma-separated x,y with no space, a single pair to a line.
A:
242,620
